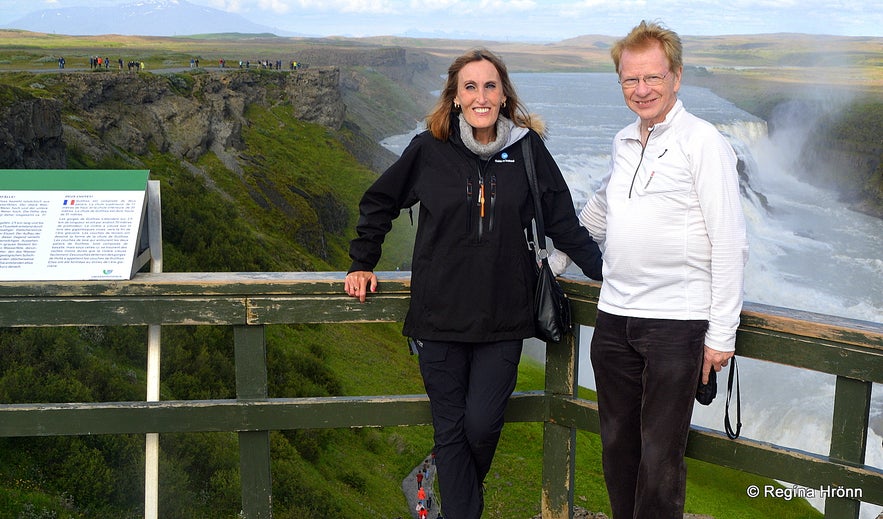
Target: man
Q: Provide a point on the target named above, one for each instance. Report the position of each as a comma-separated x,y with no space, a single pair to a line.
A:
669,222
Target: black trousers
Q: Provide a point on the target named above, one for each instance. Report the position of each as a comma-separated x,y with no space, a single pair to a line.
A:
646,373
469,385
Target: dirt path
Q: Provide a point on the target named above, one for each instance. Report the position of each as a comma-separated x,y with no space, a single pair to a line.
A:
409,488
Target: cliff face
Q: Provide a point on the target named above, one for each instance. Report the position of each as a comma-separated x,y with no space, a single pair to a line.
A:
844,153
189,114
30,132
184,115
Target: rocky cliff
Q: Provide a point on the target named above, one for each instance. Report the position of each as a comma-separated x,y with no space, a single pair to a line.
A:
184,115
30,131
844,153
188,114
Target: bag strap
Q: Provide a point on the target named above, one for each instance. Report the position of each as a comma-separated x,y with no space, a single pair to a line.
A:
734,373
535,190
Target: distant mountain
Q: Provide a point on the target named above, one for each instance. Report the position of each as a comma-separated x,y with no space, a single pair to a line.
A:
144,18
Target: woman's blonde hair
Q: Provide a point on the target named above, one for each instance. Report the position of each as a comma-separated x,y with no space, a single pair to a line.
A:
438,121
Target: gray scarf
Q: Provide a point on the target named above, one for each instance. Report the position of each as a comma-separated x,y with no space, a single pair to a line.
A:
485,151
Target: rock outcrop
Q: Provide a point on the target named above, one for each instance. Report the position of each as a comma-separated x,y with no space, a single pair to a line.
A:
184,115
30,131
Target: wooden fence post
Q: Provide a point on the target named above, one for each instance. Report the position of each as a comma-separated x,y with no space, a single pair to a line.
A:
559,441
254,446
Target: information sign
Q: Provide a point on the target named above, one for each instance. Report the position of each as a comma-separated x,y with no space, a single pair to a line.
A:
72,224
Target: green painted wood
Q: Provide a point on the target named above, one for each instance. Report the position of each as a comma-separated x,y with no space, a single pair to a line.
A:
847,348
811,470
559,469
176,310
864,363
562,365
583,294
339,412
250,351
250,354
254,473
849,437
841,508
390,307
575,412
527,406
204,284
559,439
133,311
849,433
810,324
175,416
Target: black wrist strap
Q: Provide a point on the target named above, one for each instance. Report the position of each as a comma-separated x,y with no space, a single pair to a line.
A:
734,374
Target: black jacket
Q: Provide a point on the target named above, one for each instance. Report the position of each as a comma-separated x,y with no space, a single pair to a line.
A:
473,277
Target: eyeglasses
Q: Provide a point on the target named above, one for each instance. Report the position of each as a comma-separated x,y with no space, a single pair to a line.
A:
652,80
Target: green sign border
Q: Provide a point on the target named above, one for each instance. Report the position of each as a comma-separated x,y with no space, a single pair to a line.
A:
73,180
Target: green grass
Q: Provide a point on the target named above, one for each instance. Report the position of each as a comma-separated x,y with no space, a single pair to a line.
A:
373,360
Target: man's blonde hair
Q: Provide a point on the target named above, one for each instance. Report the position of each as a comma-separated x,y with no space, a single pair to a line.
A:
645,35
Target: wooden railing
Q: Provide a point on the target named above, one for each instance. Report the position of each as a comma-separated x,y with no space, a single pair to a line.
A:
851,350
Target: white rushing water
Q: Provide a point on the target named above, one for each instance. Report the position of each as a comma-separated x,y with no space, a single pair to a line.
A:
808,251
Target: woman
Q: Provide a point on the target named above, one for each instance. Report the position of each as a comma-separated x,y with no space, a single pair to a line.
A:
473,273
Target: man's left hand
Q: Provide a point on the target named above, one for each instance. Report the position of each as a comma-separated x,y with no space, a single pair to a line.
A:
714,360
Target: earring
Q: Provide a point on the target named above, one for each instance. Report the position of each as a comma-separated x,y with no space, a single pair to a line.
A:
456,105
504,104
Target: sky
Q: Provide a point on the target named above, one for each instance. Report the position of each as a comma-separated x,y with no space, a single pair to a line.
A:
528,20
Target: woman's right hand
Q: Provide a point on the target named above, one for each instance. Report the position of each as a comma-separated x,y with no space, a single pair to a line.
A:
559,262
358,283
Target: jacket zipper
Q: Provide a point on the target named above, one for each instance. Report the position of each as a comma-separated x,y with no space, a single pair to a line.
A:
487,198
481,199
641,161
480,202
468,204
490,226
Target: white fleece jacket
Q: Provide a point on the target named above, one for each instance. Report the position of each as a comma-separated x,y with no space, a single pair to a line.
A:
669,221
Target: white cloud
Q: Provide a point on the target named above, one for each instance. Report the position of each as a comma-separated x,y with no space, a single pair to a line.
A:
347,6
502,5
293,6
431,5
276,6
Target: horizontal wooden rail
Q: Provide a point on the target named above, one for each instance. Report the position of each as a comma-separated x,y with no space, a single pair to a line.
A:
851,350
272,414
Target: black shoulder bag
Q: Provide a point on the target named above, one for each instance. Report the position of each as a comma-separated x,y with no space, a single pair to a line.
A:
551,306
